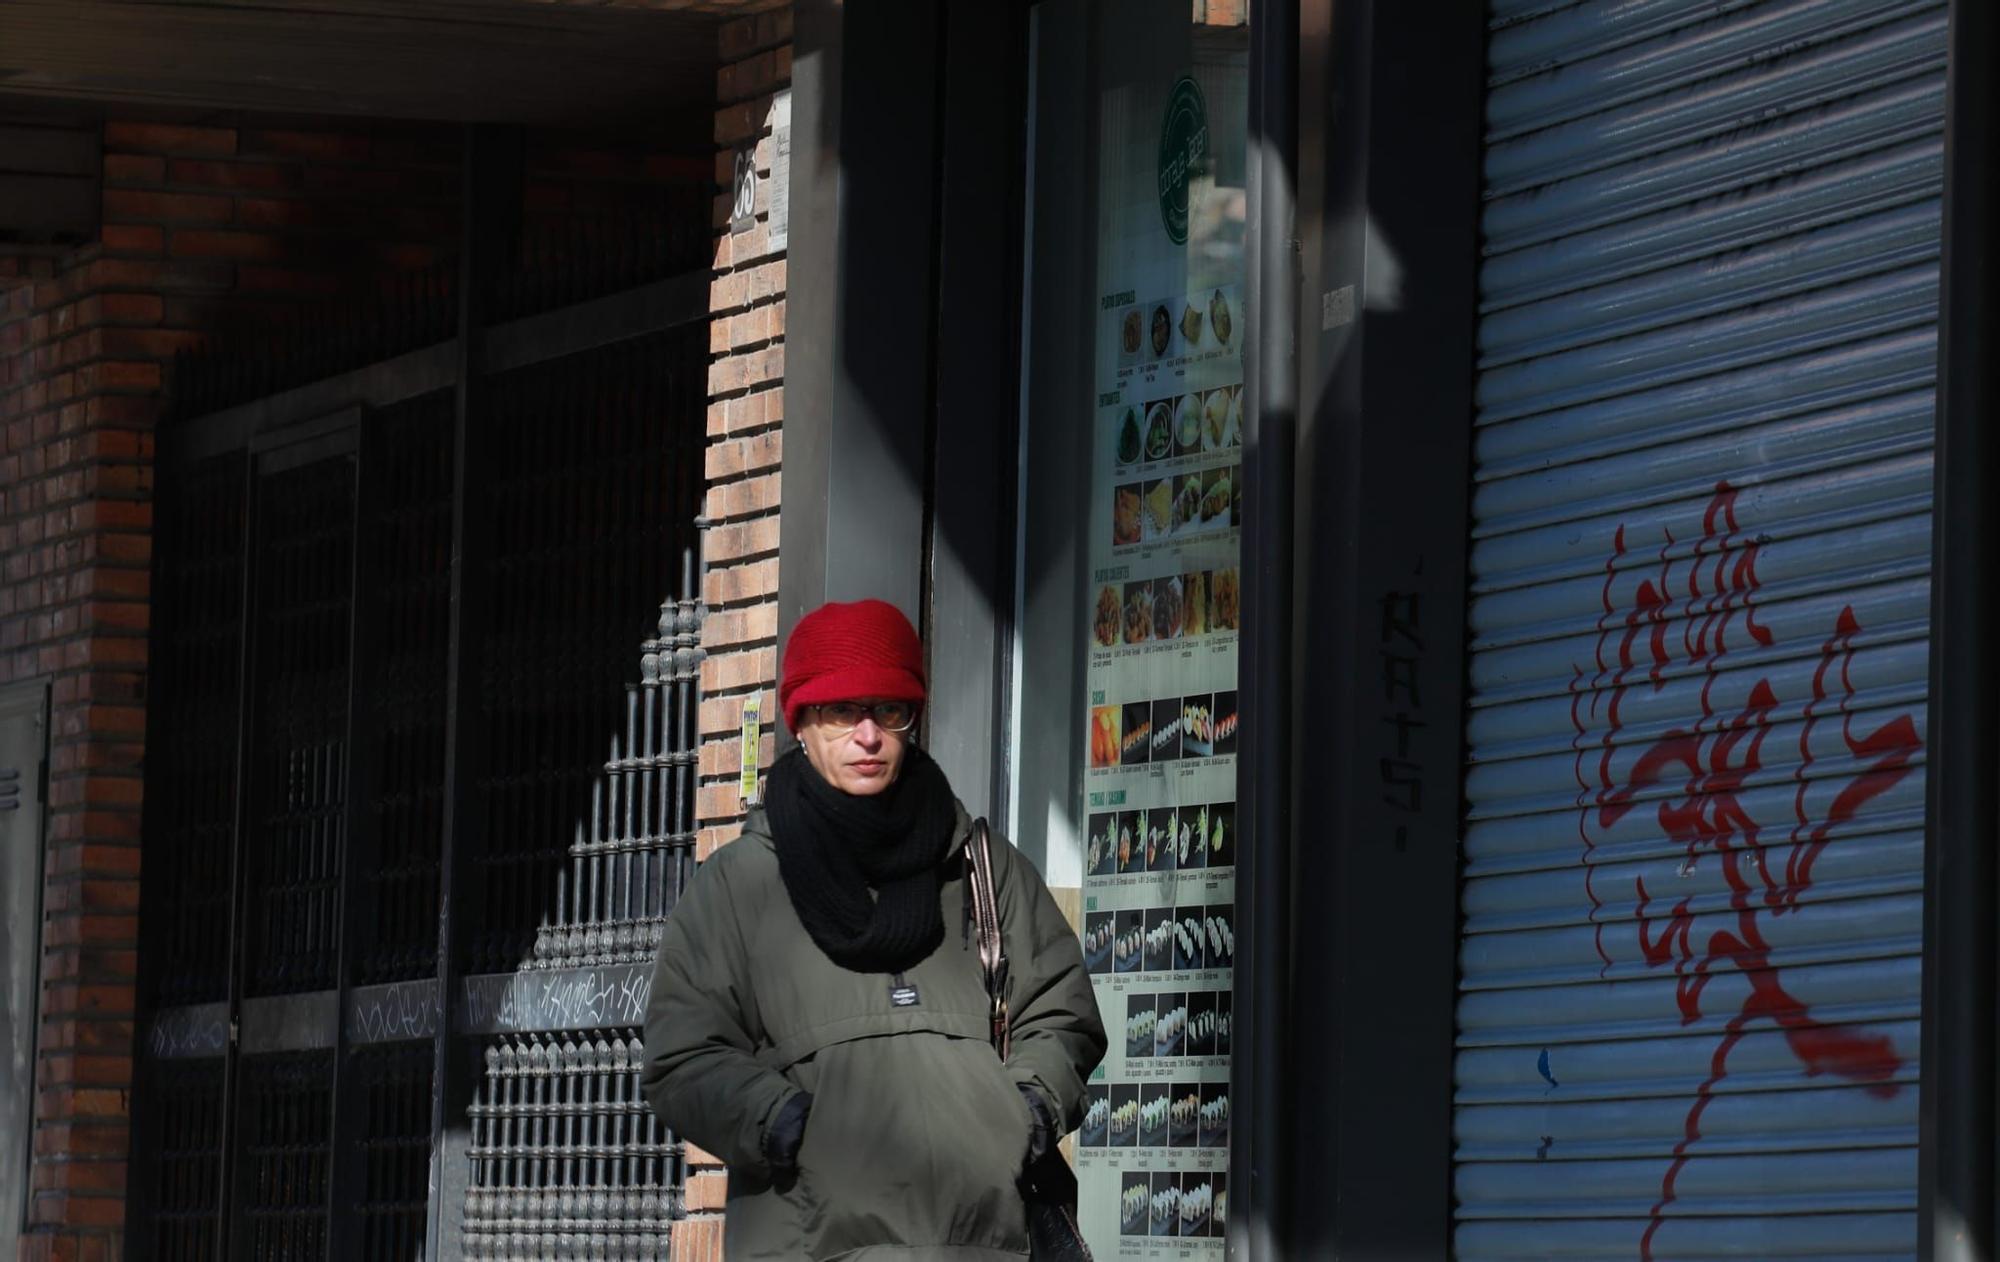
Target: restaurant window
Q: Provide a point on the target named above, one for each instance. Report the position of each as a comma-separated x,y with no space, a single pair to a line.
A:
1125,781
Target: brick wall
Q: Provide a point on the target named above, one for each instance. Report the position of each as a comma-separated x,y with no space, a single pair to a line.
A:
746,412
201,225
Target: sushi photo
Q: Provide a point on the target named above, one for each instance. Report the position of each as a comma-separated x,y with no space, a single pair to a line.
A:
1123,1130
1108,627
1141,1019
1153,1104
1187,939
1128,945
1098,931
1165,1204
1096,1129
1131,841
1197,1203
1160,839
1222,835
1135,1205
1105,728
1170,1025
1219,938
1135,1202
1101,850
1125,515
1169,608
1225,722
1159,940
1197,726
1166,734
1138,612
1194,603
1136,744
1213,1118
1182,1114
1193,853
1201,1023
1187,425
1130,442
1191,316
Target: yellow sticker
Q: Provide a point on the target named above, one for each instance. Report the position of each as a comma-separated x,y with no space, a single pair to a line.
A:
753,737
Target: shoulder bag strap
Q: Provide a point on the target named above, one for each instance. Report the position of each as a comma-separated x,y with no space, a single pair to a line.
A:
986,922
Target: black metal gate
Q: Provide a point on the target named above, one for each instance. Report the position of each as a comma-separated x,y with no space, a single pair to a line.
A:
422,761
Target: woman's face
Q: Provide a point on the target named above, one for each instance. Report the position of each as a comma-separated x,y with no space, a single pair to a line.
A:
862,759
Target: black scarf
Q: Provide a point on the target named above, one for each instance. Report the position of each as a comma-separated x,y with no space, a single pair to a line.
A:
834,848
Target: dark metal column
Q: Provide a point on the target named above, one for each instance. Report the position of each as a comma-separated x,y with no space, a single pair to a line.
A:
860,329
1390,98
1957,1123
490,211
974,467
1261,1073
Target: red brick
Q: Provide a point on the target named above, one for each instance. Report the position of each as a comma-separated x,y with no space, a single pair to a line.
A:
77,1210
707,1190
83,1138
131,308
256,278
166,138
727,672
89,1176
133,168
733,584
211,243
726,628
737,123
81,1102
134,238
232,175
697,1240
740,541
127,205
325,146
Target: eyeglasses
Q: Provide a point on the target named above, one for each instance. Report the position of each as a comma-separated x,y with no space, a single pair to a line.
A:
890,716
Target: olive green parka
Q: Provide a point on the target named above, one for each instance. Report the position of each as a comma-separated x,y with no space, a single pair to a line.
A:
917,1129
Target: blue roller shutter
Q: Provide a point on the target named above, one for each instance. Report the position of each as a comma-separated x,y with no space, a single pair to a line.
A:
1692,912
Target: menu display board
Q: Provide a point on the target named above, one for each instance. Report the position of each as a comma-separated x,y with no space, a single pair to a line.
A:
1158,712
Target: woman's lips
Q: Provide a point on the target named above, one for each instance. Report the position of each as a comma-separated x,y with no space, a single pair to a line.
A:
868,766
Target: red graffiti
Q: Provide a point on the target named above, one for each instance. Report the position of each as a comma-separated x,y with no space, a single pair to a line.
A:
1693,778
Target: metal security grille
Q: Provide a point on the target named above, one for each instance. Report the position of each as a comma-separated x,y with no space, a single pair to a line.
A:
584,786
196,654
406,547
286,1140
298,762
567,1159
1694,847
185,1177
423,775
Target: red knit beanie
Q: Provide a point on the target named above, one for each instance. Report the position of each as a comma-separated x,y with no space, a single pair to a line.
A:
845,651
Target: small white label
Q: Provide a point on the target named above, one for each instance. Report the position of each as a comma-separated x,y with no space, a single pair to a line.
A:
779,226
1336,308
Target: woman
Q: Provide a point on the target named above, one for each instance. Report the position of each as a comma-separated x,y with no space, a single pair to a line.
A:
819,1019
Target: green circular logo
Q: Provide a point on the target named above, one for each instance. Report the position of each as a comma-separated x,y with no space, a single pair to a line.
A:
1183,154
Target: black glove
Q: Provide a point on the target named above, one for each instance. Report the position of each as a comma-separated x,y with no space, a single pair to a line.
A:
783,1135
1043,1134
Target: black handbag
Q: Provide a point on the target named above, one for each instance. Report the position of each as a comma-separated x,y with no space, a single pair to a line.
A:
1048,1185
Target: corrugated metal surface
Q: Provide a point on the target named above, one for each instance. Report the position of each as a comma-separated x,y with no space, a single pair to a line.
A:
1694,848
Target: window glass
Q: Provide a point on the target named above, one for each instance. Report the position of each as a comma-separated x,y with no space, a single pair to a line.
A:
1125,769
